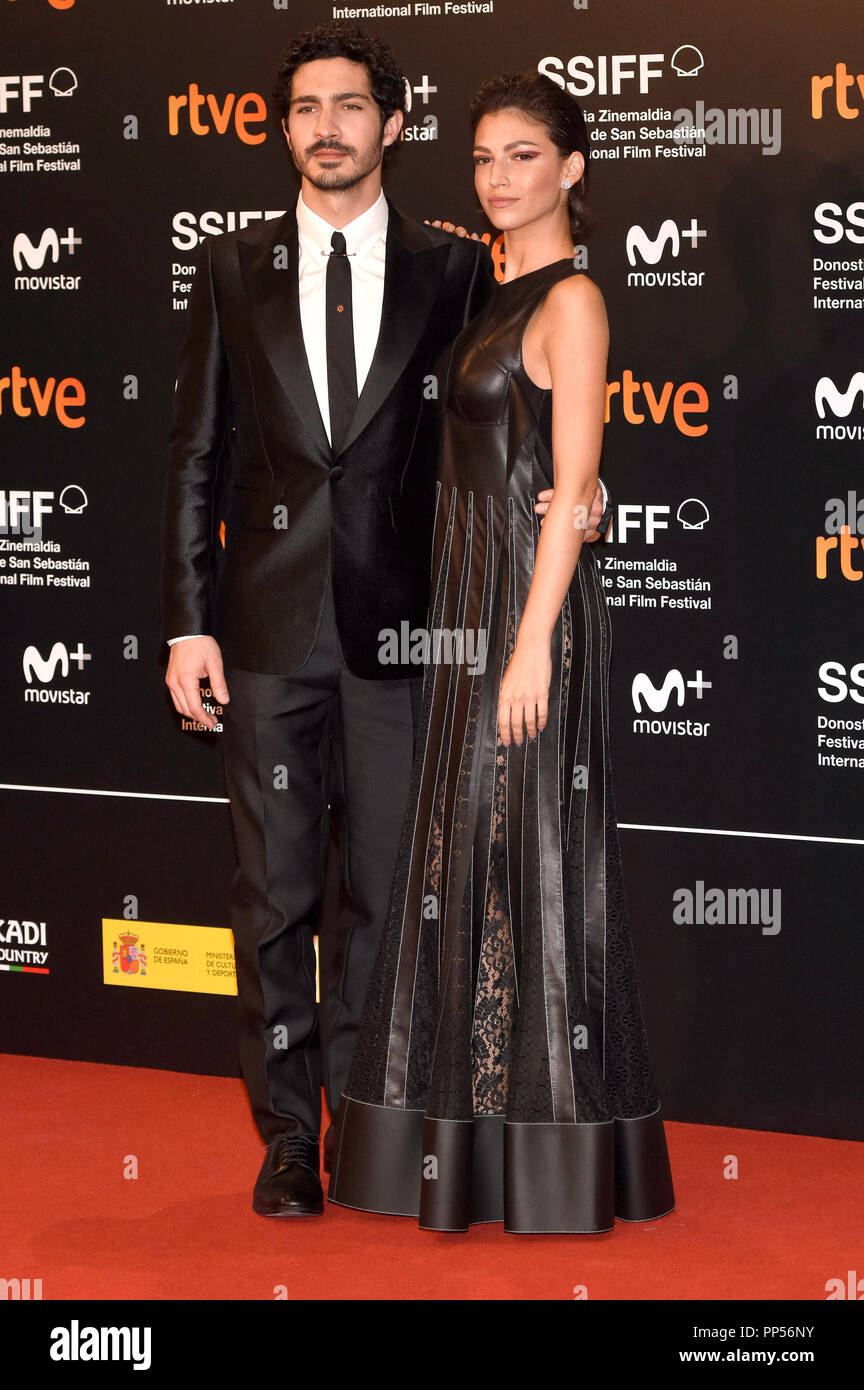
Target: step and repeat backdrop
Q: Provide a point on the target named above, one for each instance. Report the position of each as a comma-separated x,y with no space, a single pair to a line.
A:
727,155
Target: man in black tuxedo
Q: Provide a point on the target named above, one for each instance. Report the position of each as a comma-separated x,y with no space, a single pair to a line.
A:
299,423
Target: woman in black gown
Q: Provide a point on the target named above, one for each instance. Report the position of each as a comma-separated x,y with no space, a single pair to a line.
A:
501,1069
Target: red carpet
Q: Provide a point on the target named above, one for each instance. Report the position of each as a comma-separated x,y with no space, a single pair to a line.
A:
185,1228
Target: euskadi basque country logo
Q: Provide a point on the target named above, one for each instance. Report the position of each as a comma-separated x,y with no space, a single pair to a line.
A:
23,946
168,955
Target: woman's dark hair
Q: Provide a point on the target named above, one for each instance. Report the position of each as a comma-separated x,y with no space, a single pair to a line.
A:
543,101
340,40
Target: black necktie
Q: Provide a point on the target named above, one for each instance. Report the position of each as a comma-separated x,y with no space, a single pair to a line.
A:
341,363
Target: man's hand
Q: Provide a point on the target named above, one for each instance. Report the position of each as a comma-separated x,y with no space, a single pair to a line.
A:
449,227
191,661
592,534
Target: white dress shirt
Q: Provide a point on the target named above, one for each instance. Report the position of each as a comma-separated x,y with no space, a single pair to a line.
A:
366,245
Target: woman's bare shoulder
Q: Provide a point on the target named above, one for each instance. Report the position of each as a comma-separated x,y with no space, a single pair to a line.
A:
574,304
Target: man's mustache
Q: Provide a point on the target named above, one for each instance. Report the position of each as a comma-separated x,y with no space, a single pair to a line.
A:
328,145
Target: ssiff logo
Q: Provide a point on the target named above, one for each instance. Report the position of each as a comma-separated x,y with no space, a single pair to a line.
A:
129,956
26,88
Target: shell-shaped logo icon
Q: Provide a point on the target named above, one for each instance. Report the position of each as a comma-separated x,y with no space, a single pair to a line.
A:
692,514
687,61
73,499
63,82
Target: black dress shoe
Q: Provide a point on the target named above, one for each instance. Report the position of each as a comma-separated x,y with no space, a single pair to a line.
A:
329,1146
289,1184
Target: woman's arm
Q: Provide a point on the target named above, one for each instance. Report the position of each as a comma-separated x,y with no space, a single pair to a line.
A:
565,349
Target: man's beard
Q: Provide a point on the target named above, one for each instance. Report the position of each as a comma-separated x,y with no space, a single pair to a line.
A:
341,179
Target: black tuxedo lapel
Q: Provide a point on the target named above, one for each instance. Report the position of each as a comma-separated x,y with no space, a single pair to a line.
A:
413,269
274,299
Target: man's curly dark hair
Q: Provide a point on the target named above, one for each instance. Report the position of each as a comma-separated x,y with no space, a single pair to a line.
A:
341,40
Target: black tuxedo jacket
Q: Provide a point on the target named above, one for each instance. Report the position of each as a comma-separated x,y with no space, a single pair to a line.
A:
248,448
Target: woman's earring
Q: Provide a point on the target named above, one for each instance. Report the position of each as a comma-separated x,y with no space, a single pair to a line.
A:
566,183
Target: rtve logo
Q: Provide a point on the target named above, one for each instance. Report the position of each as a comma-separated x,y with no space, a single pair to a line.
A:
842,545
239,114
61,397
840,82
690,398
844,525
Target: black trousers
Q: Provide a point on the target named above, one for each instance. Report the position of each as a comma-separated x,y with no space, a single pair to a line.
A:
279,733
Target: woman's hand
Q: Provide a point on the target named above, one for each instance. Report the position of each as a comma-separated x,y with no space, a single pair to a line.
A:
524,694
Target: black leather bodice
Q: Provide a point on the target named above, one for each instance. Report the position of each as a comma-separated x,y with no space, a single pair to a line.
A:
496,435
